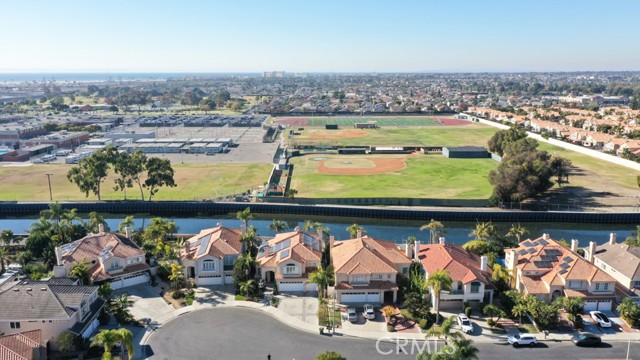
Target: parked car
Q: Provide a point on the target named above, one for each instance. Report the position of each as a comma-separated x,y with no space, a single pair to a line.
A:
586,339
522,339
465,324
601,319
352,315
368,312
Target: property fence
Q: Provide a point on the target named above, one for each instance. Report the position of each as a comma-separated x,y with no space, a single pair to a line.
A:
382,201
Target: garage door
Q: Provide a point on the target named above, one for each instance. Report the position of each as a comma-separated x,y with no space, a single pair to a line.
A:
310,287
91,329
451,304
360,297
130,281
210,280
292,286
228,279
590,305
604,305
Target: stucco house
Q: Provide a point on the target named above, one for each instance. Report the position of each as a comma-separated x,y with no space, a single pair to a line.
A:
366,269
289,258
470,275
111,257
208,257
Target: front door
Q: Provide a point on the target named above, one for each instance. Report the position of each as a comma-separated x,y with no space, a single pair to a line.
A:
192,272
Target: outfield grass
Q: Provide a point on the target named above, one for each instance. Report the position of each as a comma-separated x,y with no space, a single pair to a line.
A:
473,135
425,176
381,121
195,181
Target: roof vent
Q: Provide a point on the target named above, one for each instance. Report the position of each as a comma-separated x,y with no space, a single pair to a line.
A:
29,289
43,289
16,289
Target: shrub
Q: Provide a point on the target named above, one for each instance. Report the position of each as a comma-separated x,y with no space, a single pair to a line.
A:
240,297
391,328
389,311
467,311
275,302
104,318
424,324
491,323
406,314
178,294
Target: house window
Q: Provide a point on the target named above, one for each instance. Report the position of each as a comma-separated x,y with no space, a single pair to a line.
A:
475,287
376,277
114,265
15,325
575,284
290,269
208,265
636,284
360,279
229,261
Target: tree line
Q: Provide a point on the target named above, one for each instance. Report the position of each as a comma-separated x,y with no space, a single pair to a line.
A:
148,173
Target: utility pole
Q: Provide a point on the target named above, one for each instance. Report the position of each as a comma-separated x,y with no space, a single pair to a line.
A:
50,193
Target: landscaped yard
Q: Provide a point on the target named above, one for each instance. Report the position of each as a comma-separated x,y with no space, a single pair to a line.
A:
195,181
423,176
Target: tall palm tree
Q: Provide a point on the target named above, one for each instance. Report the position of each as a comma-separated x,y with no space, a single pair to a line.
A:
353,230
126,341
93,224
247,286
54,212
176,275
517,231
249,240
4,257
308,225
80,271
246,262
501,274
445,330
464,349
245,216
126,223
6,236
438,281
106,339
519,310
322,278
435,229
483,231
278,225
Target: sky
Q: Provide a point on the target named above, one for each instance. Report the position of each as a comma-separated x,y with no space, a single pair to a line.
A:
318,35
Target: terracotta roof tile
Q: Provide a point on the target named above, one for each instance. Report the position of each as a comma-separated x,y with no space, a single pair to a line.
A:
20,346
461,264
377,256
221,241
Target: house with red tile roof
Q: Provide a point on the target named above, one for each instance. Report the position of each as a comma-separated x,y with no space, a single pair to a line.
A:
289,258
366,269
209,256
25,345
111,257
470,274
546,269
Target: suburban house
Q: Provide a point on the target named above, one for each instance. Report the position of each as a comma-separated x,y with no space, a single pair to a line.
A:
111,257
208,257
470,275
289,258
546,269
52,307
25,345
366,269
622,262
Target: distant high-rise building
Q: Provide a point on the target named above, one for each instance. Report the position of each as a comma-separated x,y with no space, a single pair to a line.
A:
301,75
273,74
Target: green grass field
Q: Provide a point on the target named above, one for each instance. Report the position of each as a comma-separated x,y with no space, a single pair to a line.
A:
425,176
381,121
195,181
474,135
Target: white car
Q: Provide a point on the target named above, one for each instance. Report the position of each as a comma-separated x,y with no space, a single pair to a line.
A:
368,312
465,324
601,319
352,315
522,339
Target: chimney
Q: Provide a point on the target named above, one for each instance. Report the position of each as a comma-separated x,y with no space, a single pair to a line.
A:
297,229
441,240
359,233
127,231
545,236
574,245
592,251
243,227
220,224
101,228
320,234
58,251
612,238
511,259
332,241
407,250
416,251
484,262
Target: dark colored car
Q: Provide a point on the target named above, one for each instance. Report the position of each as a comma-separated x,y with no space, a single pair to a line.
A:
586,340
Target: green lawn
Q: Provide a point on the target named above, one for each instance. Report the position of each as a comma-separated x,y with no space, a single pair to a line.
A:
195,181
381,121
474,135
425,176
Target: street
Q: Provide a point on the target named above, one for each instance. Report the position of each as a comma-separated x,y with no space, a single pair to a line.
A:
236,333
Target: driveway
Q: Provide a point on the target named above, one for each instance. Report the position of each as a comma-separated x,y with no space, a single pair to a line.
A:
147,304
304,308
213,295
363,324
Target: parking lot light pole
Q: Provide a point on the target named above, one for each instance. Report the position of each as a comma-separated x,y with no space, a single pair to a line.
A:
50,193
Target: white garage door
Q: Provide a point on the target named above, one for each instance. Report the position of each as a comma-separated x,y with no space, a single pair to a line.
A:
130,281
91,329
310,287
228,279
360,297
293,286
604,305
210,280
590,305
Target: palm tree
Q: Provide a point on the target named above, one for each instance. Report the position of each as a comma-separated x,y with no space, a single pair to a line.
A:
55,212
308,225
6,236
434,230
445,330
248,240
278,225
492,310
517,231
519,310
437,281
353,230
501,274
80,271
247,286
245,216
4,257
176,275
322,278
464,349
94,222
483,231
126,340
126,223
106,339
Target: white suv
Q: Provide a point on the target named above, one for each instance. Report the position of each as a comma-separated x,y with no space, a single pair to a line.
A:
523,339
465,325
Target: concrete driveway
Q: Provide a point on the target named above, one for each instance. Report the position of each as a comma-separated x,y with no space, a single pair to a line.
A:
304,308
363,324
147,304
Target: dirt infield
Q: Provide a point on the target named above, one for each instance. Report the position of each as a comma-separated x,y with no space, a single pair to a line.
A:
377,166
293,121
452,122
343,134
